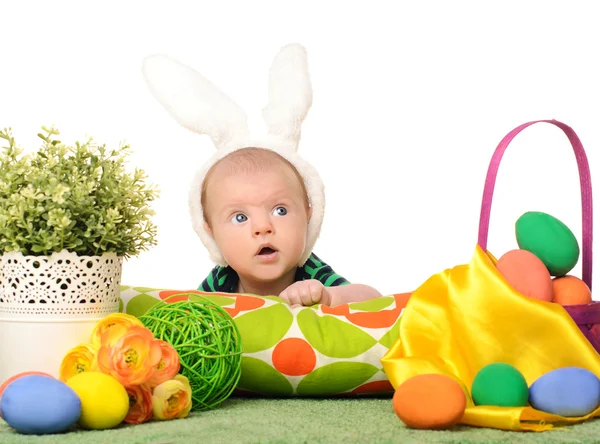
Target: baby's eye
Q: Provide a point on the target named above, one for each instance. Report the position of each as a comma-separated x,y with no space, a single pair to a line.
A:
280,211
239,218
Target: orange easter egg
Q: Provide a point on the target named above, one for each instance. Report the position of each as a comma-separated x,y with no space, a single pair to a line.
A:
429,401
527,274
570,290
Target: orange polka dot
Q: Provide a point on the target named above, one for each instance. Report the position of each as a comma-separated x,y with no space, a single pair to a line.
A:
402,298
244,303
375,387
170,296
340,310
233,312
382,318
294,357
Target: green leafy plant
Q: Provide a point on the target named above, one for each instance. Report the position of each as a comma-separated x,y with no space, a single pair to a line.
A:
79,198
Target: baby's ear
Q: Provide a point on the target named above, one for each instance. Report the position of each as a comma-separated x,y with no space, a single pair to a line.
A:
207,229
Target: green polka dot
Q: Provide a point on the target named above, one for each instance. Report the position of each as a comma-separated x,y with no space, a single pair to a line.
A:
373,304
263,328
259,377
121,305
124,287
388,339
140,304
333,337
145,289
335,378
219,300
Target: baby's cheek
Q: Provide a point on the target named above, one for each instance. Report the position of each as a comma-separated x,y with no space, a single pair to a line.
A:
300,244
229,241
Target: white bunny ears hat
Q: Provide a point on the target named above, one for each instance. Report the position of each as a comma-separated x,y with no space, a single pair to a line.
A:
200,107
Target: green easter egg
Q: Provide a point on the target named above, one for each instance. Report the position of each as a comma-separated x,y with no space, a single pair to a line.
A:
501,385
549,239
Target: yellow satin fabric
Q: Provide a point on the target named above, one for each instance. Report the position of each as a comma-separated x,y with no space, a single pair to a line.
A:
466,317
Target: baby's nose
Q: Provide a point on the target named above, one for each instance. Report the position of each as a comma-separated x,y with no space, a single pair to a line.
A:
263,227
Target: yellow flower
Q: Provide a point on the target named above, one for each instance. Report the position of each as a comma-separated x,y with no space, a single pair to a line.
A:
110,321
81,358
167,367
130,355
172,399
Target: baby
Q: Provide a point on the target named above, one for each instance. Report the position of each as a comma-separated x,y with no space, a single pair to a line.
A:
257,210
256,204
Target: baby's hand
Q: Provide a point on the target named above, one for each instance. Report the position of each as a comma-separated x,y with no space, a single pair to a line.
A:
309,292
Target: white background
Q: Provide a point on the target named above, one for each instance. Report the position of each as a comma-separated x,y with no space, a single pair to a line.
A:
410,100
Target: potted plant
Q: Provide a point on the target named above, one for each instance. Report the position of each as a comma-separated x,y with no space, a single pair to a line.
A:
69,216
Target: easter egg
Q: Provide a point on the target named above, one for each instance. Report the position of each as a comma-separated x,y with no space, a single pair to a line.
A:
527,274
429,402
104,401
570,290
567,391
500,384
37,404
549,239
17,376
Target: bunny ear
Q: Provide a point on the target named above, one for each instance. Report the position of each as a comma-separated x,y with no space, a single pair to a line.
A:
290,94
193,101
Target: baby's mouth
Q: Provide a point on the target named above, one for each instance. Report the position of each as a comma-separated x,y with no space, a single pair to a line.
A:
266,250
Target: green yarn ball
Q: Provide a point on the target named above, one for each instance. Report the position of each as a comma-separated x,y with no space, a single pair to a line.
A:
208,343
500,384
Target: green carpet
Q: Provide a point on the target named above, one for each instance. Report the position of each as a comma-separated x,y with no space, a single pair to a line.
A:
301,421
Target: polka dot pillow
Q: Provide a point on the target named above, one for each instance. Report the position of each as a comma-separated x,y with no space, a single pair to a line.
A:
305,351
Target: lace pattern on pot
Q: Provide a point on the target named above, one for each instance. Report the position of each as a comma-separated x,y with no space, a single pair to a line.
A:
62,285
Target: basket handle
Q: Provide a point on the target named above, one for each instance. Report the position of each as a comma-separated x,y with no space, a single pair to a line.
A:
586,192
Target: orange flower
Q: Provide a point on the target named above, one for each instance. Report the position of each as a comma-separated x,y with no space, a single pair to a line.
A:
110,321
140,404
172,399
167,367
129,355
81,358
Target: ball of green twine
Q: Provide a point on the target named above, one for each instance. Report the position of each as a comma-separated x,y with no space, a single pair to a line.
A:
208,343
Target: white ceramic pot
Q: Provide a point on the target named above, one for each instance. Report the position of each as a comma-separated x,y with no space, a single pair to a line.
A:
50,304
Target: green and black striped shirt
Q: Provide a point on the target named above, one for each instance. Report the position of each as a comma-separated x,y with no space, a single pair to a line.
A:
225,279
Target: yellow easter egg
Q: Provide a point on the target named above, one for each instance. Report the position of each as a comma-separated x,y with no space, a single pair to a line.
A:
104,401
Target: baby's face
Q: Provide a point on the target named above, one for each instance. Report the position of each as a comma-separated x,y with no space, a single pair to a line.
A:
259,220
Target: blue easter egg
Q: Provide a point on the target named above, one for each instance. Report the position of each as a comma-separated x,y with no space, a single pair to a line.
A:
39,405
567,391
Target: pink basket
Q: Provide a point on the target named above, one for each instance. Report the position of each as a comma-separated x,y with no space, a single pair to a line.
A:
586,316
